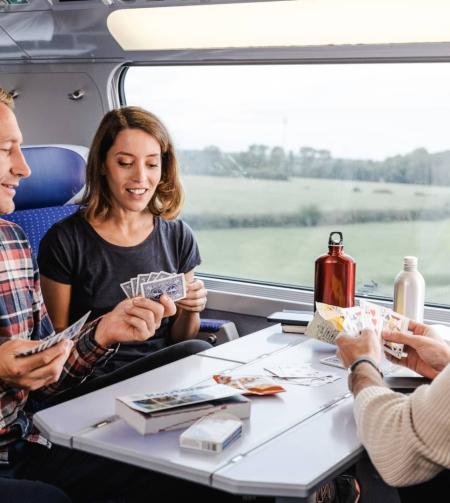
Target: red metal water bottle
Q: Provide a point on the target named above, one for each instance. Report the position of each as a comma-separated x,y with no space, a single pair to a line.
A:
334,281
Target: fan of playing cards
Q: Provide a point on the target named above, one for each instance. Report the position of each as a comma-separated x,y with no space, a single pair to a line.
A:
154,284
329,321
51,340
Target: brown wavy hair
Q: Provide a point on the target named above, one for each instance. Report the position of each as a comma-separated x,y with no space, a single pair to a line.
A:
168,197
6,98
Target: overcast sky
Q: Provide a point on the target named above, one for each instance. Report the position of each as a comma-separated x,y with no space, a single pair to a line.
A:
355,111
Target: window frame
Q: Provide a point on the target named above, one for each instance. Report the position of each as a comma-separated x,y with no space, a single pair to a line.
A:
238,295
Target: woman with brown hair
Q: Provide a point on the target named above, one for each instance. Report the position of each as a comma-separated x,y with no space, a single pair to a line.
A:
126,226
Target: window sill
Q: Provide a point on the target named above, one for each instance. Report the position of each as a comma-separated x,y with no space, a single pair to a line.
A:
257,299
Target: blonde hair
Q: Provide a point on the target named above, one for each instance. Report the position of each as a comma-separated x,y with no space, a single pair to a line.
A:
6,98
168,197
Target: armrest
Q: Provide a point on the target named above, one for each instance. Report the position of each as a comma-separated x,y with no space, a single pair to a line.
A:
217,331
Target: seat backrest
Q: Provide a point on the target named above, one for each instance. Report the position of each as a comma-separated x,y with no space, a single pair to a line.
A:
37,221
58,173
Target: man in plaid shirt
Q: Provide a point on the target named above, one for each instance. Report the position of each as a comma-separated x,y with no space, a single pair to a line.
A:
24,454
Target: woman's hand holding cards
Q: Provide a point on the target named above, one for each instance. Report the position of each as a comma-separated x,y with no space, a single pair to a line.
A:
134,319
196,297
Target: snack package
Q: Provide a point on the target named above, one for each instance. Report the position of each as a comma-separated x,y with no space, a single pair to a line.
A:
251,385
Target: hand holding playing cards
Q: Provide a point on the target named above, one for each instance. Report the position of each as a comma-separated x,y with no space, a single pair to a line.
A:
427,353
34,371
351,347
133,320
196,297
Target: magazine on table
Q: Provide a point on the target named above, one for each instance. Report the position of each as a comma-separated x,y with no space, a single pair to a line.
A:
149,403
155,412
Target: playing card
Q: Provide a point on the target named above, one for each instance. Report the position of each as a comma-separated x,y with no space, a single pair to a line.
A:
394,322
304,375
296,371
334,361
353,321
127,288
371,314
314,381
173,286
394,349
134,286
142,278
68,333
162,275
381,318
386,366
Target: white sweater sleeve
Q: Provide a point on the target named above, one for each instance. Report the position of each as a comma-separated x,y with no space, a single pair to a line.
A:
406,437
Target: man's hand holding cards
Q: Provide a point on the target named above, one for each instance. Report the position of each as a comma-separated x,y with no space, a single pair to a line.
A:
51,340
153,285
329,321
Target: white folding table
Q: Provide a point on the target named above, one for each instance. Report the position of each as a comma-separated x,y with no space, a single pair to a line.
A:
256,345
292,442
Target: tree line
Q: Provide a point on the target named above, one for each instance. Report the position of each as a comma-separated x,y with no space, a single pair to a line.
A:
262,161
313,216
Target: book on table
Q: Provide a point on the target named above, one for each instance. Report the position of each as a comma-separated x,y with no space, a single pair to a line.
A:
294,322
155,412
293,329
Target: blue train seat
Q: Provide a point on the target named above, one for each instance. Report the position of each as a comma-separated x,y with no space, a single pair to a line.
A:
58,173
217,332
37,221
49,195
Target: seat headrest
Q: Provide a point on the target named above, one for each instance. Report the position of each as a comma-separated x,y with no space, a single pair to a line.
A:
57,174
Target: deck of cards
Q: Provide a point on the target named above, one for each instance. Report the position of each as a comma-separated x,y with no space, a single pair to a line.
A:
330,321
154,284
212,433
51,340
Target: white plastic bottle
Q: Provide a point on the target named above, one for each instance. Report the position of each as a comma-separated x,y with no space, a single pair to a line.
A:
409,291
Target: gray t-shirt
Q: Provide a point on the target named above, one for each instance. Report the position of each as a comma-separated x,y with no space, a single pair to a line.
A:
73,253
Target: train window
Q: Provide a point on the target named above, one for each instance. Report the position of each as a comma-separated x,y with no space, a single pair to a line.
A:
274,157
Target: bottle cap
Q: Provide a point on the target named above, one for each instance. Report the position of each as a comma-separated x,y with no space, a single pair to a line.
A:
410,263
335,238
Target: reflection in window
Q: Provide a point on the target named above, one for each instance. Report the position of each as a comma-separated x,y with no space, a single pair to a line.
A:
274,157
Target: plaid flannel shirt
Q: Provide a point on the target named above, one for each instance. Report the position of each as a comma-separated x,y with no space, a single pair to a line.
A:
23,316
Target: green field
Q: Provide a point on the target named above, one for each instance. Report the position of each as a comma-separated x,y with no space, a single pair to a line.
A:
234,196
287,255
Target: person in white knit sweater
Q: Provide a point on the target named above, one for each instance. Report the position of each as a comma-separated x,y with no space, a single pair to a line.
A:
407,437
